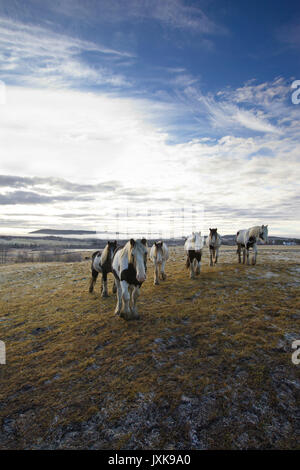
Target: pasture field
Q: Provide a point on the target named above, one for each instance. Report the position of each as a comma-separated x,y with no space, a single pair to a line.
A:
208,365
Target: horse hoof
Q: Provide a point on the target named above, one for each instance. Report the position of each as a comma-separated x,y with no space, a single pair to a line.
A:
125,315
104,295
156,283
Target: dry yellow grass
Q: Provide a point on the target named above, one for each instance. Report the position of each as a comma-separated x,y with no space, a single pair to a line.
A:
208,365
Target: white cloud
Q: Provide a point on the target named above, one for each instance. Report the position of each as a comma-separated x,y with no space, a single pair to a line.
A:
227,111
172,13
36,56
90,138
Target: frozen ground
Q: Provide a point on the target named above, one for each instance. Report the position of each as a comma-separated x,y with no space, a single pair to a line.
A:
207,366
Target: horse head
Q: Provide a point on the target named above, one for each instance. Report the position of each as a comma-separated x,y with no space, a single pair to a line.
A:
158,251
263,234
138,257
213,234
112,245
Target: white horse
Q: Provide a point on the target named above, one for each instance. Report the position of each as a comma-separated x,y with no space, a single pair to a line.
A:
159,254
129,267
247,239
193,247
213,242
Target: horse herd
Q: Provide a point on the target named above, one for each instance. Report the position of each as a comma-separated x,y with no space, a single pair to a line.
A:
129,263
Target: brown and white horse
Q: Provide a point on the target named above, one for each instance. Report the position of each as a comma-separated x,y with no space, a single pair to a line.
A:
213,242
102,263
159,254
247,239
129,267
193,247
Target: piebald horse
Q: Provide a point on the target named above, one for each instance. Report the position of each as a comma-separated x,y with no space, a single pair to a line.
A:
102,263
159,254
193,247
247,239
213,242
129,267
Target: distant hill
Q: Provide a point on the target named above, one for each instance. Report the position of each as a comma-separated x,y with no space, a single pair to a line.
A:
62,235
49,231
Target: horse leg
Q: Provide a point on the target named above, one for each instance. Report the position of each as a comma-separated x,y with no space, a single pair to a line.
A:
162,271
125,312
239,252
119,298
134,296
93,280
246,256
254,254
217,255
104,284
210,257
192,273
198,267
114,289
156,274
214,256
199,263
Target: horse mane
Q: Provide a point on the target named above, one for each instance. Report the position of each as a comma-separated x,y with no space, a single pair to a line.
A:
126,250
254,231
105,254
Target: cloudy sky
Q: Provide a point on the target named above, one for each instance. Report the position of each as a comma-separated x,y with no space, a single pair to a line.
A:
149,115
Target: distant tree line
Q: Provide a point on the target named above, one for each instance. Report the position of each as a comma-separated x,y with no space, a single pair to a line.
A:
24,256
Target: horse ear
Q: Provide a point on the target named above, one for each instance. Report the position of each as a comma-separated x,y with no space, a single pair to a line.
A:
132,242
144,241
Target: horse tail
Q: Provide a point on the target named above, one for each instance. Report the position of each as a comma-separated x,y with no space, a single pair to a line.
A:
96,253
